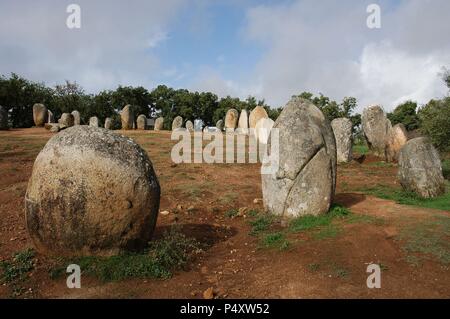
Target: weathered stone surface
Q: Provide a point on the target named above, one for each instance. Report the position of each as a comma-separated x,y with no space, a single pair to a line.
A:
219,125
93,121
305,181
3,118
376,128
231,119
53,127
189,126
141,122
127,118
39,114
177,123
66,120
243,122
420,169
397,137
91,192
76,117
256,114
108,123
262,129
159,124
342,128
50,117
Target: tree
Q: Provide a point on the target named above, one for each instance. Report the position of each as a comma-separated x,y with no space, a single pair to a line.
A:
435,123
139,98
406,114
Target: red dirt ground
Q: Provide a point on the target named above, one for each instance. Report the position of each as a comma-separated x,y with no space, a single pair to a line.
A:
235,265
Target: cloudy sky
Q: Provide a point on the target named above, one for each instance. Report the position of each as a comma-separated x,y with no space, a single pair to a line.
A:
269,49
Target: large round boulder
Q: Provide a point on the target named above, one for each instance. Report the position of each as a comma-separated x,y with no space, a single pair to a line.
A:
262,129
127,118
66,120
256,114
177,123
243,122
3,118
108,123
141,122
91,192
40,114
342,129
397,137
304,181
76,117
420,169
231,119
376,128
93,121
159,124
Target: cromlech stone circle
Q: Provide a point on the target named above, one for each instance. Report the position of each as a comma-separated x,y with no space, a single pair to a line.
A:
189,126
141,122
66,120
127,118
159,124
3,118
50,117
77,117
93,121
243,122
420,168
39,114
304,183
262,129
342,129
256,114
177,123
91,192
219,125
108,123
397,137
376,128
231,119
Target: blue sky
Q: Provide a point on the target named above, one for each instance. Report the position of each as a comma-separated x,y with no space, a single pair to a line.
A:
269,49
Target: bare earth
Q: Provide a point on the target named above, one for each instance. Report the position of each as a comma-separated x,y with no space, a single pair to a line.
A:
235,265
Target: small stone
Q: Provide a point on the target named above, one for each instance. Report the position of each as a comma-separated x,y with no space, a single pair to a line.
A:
208,293
165,212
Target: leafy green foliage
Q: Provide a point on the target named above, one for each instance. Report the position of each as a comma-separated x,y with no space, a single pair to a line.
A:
435,122
307,222
260,224
406,114
16,270
276,240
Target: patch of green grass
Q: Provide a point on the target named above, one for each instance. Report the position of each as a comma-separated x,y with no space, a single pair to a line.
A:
314,267
261,224
446,168
276,240
328,231
16,270
163,256
339,271
430,238
228,198
307,222
360,149
366,219
381,164
408,198
252,212
231,213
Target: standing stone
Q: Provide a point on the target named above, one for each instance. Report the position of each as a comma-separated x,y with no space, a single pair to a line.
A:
159,124
243,122
76,117
262,130
397,137
127,118
376,128
219,125
108,123
420,169
93,121
50,117
342,128
141,122
66,120
3,118
91,192
177,123
231,119
189,126
256,114
39,114
304,182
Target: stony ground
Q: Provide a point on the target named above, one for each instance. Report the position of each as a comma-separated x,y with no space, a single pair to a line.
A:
410,243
